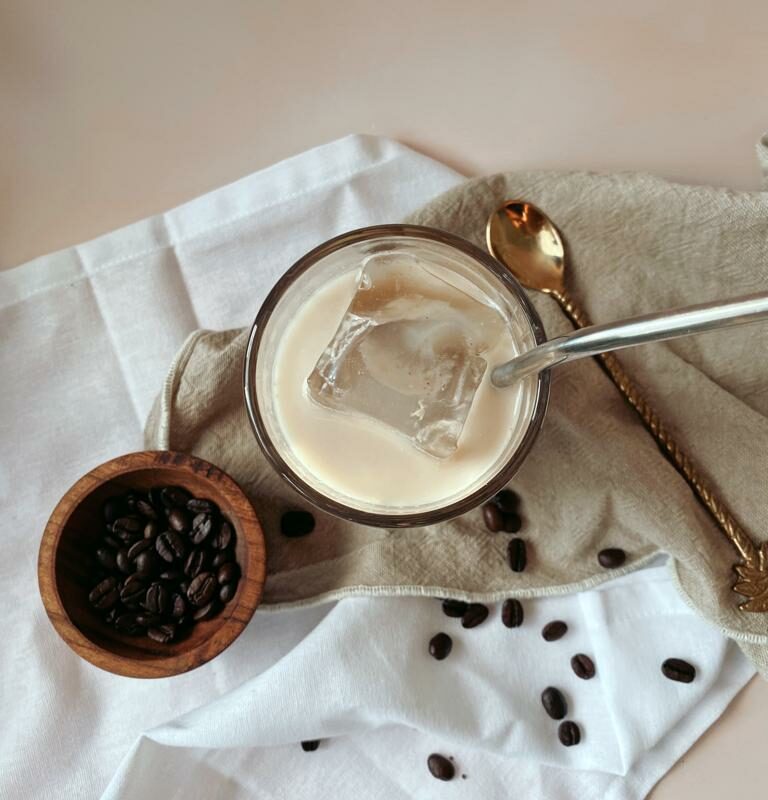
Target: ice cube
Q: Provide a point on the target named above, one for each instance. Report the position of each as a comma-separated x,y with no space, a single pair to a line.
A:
407,353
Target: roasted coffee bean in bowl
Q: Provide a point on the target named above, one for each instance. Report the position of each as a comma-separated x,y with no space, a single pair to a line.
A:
152,564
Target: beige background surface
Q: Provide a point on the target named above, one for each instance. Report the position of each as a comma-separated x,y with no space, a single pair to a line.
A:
111,111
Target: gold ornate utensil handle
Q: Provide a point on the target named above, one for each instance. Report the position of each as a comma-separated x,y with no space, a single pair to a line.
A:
526,241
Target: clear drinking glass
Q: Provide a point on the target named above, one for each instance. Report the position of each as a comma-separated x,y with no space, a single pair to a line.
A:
346,253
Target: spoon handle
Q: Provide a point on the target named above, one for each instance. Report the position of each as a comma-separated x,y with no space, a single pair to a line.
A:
666,442
657,327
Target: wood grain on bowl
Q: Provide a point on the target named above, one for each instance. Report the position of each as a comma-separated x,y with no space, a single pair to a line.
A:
65,565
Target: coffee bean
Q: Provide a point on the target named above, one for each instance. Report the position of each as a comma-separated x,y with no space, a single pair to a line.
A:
204,612
507,501
554,703
227,592
112,541
294,524
611,557
148,620
224,537
310,745
157,599
127,528
170,575
146,509
134,589
440,646
137,548
568,733
199,506
474,615
492,517
151,529
440,767
512,613
123,562
104,595
516,552
170,546
202,525
178,606
201,589
223,557
111,615
454,608
512,523
678,670
106,557
162,633
184,587
583,666
174,497
130,501
178,520
113,508
553,631
228,573
148,563
195,563
127,623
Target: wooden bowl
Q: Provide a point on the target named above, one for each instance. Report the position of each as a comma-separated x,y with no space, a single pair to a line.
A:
65,565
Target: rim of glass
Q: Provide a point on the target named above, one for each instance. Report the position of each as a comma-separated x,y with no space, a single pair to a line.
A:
384,520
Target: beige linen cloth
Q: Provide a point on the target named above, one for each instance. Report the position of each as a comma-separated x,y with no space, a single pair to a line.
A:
595,477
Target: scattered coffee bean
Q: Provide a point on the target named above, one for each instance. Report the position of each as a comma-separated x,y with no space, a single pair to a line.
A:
204,612
507,501
583,666
553,631
294,524
611,557
157,599
554,703
122,561
568,733
512,523
474,615
228,573
148,563
492,517
134,589
202,525
163,571
454,608
162,633
201,589
227,592
440,646
104,595
170,546
146,509
137,548
199,506
174,497
151,529
222,557
178,519
310,745
106,557
678,670
512,613
223,538
518,556
440,767
195,563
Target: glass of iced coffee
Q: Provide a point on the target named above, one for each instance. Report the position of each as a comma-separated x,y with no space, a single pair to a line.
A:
367,376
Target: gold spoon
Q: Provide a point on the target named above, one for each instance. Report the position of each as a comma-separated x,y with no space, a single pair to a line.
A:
528,244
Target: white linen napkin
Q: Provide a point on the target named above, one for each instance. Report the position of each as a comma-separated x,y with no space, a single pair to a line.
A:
86,336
